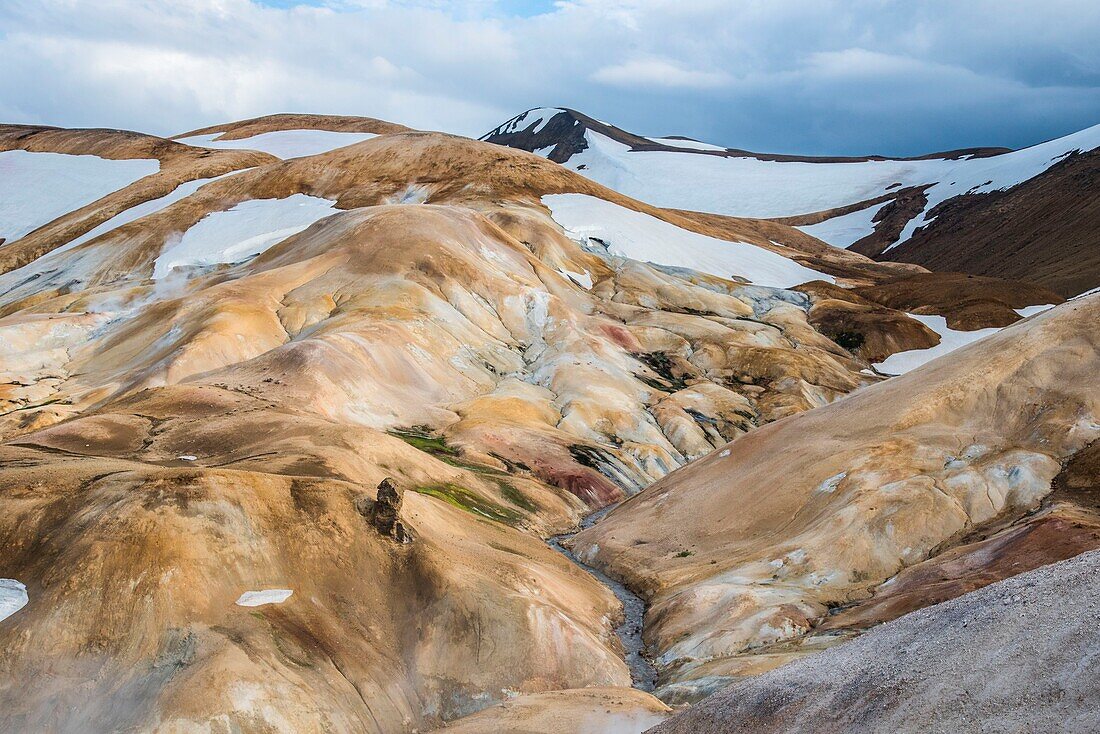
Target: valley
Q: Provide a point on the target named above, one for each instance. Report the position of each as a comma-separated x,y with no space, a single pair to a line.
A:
323,423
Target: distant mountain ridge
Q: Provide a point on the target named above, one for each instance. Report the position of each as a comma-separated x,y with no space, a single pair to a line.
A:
1027,214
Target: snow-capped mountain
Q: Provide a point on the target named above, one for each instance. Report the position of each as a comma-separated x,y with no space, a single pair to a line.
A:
881,207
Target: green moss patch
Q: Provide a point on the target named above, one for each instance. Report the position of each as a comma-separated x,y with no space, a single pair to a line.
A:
465,499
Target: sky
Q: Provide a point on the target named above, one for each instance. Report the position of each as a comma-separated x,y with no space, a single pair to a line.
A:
791,76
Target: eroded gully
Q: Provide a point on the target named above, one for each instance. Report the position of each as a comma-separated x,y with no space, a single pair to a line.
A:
642,673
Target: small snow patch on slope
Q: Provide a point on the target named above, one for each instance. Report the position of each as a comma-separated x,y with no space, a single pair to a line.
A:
950,340
639,236
284,143
583,279
266,596
246,230
36,188
845,230
13,597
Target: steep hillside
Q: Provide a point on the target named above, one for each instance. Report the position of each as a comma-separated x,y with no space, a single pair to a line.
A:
743,554
1043,229
1004,659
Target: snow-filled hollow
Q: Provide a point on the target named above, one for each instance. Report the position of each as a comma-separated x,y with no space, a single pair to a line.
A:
37,188
264,596
950,340
283,143
844,231
242,232
646,238
13,597
750,187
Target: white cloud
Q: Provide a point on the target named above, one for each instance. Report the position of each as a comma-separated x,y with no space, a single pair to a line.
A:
641,73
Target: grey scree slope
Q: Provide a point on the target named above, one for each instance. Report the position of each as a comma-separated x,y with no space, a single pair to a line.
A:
1021,655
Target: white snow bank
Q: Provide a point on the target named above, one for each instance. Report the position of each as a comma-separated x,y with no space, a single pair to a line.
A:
537,117
143,209
638,236
1032,310
736,186
583,278
246,230
950,340
689,144
36,188
266,596
845,230
13,597
746,186
284,143
982,175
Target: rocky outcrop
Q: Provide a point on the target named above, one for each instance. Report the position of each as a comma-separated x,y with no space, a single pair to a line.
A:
384,512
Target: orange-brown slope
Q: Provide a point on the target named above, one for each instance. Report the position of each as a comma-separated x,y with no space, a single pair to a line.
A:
748,546
297,121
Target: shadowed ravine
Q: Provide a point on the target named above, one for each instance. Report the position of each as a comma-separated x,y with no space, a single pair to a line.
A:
643,675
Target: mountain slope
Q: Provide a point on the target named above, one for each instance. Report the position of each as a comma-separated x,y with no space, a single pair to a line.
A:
742,553
200,402
1003,659
887,208
1043,229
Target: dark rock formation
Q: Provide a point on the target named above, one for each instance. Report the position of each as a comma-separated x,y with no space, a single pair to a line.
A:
384,512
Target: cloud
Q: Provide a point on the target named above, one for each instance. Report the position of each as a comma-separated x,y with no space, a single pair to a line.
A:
641,73
805,76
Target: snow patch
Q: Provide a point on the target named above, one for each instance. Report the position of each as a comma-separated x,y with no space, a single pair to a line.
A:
639,236
411,194
829,485
583,279
141,210
747,186
242,232
283,143
950,340
688,144
1032,310
538,116
37,188
266,596
846,230
13,597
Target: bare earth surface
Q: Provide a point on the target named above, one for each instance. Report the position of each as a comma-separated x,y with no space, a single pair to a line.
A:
1016,656
292,441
